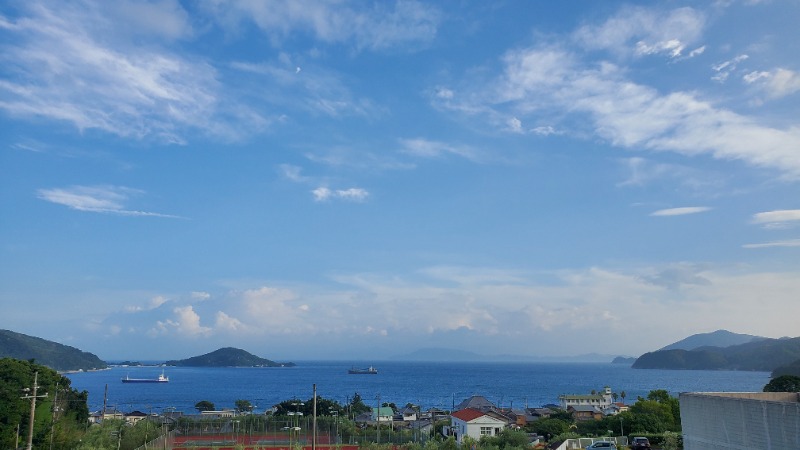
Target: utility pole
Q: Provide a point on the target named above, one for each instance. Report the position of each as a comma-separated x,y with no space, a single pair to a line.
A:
55,410
378,417
314,421
33,398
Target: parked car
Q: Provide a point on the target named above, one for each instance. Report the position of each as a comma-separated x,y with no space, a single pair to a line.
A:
640,443
605,445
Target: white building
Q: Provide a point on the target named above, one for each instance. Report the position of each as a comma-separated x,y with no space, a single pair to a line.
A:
475,424
601,400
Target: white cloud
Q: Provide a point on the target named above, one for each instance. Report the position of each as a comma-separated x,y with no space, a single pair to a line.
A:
787,243
724,69
545,131
318,90
71,62
293,173
161,18
230,324
322,194
752,77
494,305
384,25
776,84
434,149
680,211
546,82
643,172
777,219
186,322
642,31
98,199
697,52
199,295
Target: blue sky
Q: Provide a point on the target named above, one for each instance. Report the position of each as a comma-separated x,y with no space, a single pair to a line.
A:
350,180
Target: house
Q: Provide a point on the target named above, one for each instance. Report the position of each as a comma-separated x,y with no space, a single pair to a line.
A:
408,414
539,413
478,402
475,424
218,414
382,414
108,413
520,417
134,416
585,412
601,400
435,414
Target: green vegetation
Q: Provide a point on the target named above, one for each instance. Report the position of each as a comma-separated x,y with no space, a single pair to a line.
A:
227,357
115,433
51,354
204,405
651,417
60,418
784,383
764,355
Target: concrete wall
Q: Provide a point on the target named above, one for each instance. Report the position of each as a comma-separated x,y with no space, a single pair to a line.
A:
733,421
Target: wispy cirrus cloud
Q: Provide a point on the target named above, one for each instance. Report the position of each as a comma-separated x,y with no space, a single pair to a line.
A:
384,25
427,148
59,64
98,199
596,98
778,83
680,211
643,31
775,244
724,69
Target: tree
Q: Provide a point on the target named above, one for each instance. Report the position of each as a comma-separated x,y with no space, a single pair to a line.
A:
550,427
61,416
243,406
658,395
357,406
204,405
622,395
784,383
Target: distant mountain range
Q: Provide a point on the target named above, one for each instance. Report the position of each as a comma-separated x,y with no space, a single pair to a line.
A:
227,357
47,353
453,355
750,353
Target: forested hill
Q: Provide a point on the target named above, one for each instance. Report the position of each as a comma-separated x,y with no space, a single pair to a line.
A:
47,353
762,355
719,338
227,357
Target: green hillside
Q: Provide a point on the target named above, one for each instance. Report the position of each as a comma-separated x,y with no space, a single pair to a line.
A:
47,353
762,355
719,338
227,357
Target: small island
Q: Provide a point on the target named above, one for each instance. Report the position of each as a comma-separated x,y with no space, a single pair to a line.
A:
227,357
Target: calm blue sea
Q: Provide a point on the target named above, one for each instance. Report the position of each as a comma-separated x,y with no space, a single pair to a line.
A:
428,384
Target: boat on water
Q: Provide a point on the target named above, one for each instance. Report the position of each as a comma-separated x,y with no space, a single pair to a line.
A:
368,371
161,379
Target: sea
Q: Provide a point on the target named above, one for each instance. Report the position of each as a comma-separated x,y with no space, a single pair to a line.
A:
427,384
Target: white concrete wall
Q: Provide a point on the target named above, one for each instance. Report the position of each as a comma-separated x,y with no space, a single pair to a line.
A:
734,421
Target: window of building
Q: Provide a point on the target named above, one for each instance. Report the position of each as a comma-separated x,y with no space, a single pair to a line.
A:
486,431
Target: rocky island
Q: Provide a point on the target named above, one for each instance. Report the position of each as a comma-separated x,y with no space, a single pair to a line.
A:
227,357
